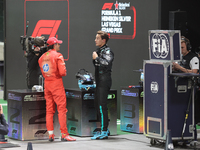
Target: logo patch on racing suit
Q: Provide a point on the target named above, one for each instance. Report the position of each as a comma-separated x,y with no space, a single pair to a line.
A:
45,67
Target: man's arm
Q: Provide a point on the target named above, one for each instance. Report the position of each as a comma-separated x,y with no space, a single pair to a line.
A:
107,58
184,70
194,65
32,59
61,65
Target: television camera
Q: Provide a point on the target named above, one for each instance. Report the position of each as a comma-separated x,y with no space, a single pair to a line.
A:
29,43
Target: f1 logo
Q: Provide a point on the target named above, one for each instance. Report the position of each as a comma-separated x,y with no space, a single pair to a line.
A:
107,6
46,27
119,30
45,22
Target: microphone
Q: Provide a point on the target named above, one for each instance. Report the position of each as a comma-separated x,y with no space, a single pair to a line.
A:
27,23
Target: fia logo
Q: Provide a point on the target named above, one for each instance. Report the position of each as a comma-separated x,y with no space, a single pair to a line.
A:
160,45
154,87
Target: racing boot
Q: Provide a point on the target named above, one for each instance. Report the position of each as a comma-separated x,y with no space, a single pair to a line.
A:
66,137
51,137
103,135
96,134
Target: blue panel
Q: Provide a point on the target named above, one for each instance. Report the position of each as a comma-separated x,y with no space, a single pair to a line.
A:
131,110
176,46
177,94
177,104
154,98
15,119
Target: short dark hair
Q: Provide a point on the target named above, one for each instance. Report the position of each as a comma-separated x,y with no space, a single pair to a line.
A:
104,35
50,47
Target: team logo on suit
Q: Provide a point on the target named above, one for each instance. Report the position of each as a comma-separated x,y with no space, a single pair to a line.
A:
45,67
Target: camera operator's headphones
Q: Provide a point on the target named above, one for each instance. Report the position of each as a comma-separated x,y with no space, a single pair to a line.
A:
187,42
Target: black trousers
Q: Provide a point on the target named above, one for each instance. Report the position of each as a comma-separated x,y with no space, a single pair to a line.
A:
3,126
103,85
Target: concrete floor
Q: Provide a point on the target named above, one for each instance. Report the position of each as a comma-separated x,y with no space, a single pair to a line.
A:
118,142
124,141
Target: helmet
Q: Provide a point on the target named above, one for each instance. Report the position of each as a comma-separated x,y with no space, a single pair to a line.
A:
85,80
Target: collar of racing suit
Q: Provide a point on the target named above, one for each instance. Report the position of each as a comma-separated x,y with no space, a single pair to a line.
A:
101,48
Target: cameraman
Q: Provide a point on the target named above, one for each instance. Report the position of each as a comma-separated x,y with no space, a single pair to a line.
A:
33,69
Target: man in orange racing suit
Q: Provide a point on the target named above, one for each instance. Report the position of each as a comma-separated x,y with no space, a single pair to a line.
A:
52,66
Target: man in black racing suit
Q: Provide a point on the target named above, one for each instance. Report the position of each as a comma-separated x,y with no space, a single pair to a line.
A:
102,60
